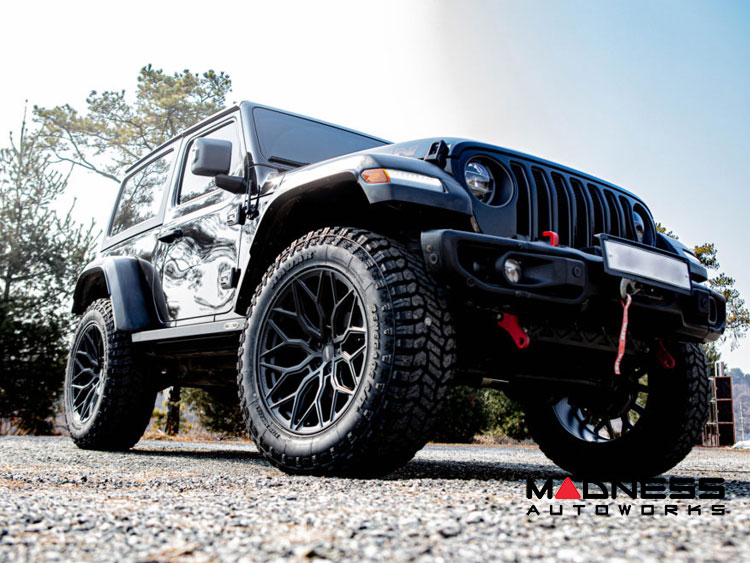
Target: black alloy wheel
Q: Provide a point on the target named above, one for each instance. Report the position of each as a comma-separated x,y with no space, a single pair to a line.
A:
313,350
619,414
88,365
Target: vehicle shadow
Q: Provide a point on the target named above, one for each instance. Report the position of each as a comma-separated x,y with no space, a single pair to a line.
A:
415,469
474,471
419,469
248,455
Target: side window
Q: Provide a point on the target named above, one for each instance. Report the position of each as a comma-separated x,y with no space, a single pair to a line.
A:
141,195
194,186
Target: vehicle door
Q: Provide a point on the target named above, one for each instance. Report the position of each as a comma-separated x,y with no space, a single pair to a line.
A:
199,242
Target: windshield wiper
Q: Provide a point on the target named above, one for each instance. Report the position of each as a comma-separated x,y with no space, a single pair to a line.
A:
287,162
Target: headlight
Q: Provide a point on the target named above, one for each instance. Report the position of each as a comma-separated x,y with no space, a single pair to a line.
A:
640,226
480,181
402,177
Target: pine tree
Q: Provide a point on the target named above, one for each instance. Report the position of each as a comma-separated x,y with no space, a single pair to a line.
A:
41,253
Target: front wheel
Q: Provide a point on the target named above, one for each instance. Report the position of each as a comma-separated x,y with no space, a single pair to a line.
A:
346,355
643,428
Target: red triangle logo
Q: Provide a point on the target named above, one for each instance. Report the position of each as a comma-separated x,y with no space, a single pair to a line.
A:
567,491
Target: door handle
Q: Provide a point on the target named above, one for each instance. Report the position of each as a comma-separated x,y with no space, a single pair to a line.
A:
170,236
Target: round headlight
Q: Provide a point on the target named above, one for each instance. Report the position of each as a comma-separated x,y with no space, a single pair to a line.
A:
480,181
640,226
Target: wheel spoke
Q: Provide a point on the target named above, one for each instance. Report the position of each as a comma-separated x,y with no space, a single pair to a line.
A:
348,332
332,284
338,387
90,400
278,331
348,356
302,318
280,402
83,397
85,355
291,369
279,382
338,304
298,396
86,371
319,405
304,416
610,430
291,343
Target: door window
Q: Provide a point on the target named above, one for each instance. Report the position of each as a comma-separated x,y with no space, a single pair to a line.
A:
142,193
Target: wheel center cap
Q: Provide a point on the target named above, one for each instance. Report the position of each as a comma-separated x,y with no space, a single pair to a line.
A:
328,352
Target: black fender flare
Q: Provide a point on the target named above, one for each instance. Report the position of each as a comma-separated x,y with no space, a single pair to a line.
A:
133,286
340,188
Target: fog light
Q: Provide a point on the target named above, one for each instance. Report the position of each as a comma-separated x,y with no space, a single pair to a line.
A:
512,270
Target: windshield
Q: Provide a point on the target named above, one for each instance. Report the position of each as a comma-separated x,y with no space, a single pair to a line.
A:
296,141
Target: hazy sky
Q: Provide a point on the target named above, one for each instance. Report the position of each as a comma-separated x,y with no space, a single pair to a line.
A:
654,97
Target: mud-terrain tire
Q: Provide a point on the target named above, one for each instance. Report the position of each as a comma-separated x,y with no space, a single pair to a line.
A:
669,426
385,401
107,399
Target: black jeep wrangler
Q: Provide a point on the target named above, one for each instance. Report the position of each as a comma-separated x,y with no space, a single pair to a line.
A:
342,283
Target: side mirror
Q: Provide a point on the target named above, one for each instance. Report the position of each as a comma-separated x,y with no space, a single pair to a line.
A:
212,157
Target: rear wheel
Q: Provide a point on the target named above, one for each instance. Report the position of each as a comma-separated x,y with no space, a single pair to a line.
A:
644,427
346,355
107,399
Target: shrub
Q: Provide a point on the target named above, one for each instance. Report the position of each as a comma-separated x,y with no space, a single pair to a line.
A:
463,416
468,412
217,411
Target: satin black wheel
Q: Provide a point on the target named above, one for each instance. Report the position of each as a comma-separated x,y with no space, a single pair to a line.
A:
313,350
88,365
610,420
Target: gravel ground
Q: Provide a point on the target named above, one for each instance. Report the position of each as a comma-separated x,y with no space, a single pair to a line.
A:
191,501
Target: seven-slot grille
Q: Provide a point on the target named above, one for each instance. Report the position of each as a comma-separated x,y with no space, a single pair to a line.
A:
574,206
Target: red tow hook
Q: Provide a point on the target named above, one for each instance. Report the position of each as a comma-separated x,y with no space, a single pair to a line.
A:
510,324
664,357
554,238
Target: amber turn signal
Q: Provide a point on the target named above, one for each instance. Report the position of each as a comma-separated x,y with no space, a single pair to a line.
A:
375,176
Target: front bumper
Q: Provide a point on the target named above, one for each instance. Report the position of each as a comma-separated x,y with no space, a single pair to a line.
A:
565,283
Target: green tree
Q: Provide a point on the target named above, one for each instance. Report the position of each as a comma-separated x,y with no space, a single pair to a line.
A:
41,253
114,132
